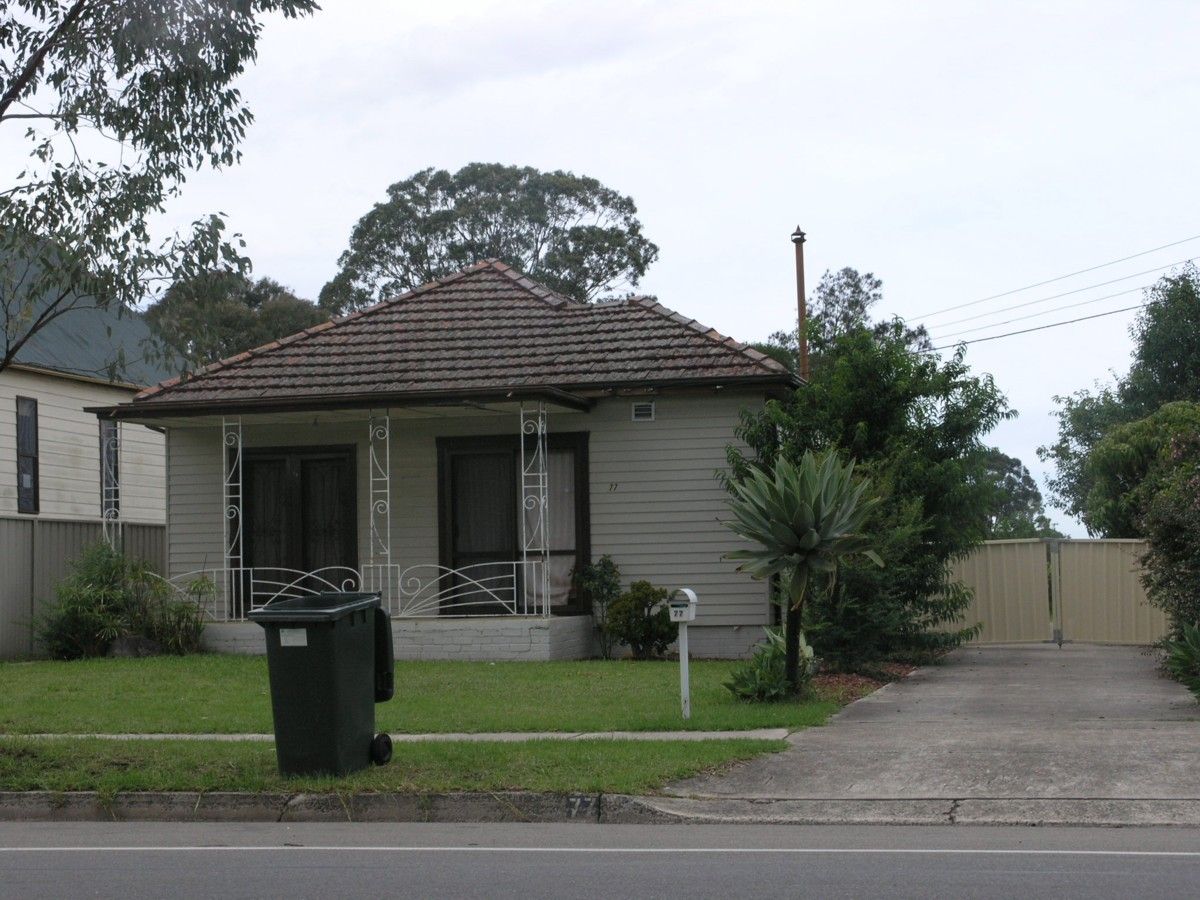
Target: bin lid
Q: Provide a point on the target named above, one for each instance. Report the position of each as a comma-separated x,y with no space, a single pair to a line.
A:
325,607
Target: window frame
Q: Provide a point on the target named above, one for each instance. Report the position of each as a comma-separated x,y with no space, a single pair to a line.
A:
576,441
33,507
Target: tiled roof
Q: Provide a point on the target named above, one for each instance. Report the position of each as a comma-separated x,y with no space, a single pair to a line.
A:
485,329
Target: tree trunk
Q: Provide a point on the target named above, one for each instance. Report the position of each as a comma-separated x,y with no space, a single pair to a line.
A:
791,634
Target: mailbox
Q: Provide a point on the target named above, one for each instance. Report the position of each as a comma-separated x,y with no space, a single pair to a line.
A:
683,605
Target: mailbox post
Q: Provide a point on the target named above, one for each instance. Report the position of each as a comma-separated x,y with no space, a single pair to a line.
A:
682,605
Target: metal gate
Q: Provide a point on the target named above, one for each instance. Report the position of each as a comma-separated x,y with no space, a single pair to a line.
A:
1060,590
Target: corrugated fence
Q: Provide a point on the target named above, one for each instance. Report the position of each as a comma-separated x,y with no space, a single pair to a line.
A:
1040,590
35,554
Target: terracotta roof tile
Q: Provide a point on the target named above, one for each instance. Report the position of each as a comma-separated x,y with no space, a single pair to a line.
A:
488,327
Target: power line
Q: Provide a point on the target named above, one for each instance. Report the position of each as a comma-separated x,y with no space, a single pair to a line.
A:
1044,312
996,337
1059,278
1004,309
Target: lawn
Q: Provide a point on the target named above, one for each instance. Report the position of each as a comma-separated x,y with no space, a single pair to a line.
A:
229,694
623,767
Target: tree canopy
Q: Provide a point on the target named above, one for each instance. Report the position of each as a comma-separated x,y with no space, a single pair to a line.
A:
1127,466
842,302
217,314
1018,510
1165,368
568,231
116,104
915,422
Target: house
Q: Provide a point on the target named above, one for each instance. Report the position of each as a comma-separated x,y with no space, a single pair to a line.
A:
461,448
59,467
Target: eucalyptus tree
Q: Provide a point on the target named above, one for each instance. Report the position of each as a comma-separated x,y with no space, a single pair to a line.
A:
570,232
113,103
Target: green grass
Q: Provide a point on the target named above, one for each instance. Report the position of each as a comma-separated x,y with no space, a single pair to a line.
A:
229,694
626,767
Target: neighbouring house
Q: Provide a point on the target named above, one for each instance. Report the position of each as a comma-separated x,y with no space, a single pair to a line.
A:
461,449
59,468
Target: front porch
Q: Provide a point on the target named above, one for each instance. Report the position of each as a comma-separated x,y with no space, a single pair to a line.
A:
467,520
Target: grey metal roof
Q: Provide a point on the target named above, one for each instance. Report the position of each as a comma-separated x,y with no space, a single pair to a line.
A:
90,342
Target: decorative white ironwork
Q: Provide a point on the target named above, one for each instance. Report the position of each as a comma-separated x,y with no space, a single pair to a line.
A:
535,527
110,483
482,589
222,591
231,466
379,486
491,588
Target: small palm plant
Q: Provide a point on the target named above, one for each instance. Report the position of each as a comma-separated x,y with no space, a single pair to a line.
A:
805,519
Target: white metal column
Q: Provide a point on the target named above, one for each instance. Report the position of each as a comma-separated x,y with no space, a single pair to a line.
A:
110,486
535,532
379,486
231,467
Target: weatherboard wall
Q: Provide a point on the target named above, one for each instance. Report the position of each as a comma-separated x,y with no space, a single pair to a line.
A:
69,450
656,501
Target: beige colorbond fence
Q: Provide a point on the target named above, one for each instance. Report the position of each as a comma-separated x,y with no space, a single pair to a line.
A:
1038,590
1012,592
35,554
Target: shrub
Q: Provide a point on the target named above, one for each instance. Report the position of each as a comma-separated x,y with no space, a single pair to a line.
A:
806,520
640,619
763,678
109,596
599,585
1171,524
907,610
1183,658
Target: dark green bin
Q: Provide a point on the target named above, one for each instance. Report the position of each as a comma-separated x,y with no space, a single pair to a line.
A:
330,661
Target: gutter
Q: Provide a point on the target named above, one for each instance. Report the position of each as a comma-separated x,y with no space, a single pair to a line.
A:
581,397
162,409
74,376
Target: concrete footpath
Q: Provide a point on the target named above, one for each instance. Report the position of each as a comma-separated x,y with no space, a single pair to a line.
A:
759,734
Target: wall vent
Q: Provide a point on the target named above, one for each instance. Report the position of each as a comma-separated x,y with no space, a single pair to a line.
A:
642,411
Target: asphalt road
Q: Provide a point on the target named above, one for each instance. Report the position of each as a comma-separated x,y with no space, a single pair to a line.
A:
143,860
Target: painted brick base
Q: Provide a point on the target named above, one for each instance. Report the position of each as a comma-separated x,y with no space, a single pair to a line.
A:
517,637
480,638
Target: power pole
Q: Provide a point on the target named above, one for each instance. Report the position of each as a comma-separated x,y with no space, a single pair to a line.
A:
791,622
801,302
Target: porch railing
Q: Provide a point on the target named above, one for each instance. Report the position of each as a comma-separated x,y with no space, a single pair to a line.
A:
510,588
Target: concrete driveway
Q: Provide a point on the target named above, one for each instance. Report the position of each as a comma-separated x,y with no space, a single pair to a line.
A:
1022,733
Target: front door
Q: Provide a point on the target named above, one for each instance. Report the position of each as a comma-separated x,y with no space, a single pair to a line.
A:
298,509
482,543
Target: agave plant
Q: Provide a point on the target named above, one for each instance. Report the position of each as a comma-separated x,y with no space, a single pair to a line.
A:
804,518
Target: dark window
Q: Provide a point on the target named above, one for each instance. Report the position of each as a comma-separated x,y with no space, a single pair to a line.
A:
27,455
110,470
480,518
298,523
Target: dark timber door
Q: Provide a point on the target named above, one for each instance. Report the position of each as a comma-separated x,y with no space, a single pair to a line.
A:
299,514
481,490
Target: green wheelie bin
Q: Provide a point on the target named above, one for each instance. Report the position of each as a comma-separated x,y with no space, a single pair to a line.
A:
330,661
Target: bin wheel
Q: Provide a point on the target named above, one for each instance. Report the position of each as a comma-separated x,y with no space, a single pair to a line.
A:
381,748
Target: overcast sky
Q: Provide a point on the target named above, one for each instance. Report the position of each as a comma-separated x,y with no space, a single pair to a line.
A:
957,150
